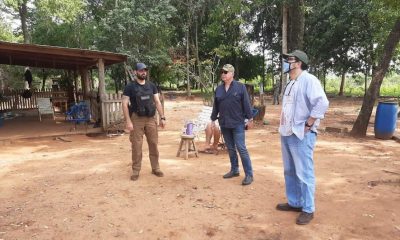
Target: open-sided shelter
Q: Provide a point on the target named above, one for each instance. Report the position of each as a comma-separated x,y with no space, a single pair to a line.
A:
79,60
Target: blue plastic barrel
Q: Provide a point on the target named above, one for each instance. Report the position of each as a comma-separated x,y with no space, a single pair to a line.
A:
385,120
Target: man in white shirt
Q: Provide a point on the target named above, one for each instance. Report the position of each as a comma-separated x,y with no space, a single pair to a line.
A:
304,104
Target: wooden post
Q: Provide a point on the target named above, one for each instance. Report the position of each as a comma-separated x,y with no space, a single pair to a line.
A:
102,84
102,90
76,87
82,83
85,83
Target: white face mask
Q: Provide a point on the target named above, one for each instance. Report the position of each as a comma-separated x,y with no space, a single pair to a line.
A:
286,67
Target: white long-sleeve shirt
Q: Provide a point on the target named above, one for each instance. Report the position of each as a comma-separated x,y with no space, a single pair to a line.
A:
303,98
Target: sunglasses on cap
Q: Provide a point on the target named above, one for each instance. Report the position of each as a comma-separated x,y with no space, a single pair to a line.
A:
224,72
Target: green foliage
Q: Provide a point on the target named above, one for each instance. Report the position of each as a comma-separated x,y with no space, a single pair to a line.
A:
355,85
14,4
223,31
340,35
139,29
6,33
60,11
75,34
250,65
47,12
336,34
265,19
382,19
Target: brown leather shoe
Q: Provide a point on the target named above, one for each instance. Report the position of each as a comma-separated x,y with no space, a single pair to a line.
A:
134,177
287,207
304,218
158,173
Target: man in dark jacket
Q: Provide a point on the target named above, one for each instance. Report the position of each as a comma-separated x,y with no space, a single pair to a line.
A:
231,107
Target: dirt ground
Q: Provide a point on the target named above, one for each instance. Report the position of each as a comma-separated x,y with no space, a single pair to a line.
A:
79,188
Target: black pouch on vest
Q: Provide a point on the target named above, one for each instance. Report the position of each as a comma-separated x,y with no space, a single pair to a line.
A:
145,102
145,105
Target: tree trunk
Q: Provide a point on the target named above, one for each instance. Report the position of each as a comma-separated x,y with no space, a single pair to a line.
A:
366,81
284,42
263,77
197,55
70,87
296,25
361,124
342,83
23,14
324,73
187,60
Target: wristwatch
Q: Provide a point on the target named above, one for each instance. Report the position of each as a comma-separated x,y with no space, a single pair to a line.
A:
163,118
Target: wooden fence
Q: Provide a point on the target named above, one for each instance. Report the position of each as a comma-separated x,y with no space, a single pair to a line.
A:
13,100
111,109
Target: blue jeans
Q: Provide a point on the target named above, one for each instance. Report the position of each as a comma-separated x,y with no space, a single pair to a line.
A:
298,167
235,139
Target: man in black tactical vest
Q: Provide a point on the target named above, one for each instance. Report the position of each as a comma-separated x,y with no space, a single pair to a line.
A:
140,101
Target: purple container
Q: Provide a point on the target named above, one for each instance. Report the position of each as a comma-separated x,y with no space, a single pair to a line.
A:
189,128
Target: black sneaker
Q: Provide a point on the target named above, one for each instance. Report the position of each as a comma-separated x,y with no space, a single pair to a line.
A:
231,175
247,180
158,173
304,218
287,207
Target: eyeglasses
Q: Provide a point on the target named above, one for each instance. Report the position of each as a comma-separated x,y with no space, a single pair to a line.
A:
224,72
291,60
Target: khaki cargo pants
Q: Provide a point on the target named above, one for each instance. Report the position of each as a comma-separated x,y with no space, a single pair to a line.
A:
148,127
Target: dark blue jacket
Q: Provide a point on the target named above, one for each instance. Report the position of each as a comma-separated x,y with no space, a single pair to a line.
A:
232,106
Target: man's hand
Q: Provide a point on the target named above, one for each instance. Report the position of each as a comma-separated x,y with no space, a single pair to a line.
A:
308,124
213,124
128,127
249,124
163,123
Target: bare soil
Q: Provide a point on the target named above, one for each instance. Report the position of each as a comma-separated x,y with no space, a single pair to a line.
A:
78,187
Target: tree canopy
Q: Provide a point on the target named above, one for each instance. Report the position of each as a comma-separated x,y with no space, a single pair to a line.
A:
186,41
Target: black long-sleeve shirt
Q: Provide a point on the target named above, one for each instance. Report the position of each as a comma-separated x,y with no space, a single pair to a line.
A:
233,106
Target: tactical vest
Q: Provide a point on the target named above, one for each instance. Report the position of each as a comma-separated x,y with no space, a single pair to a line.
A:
144,100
